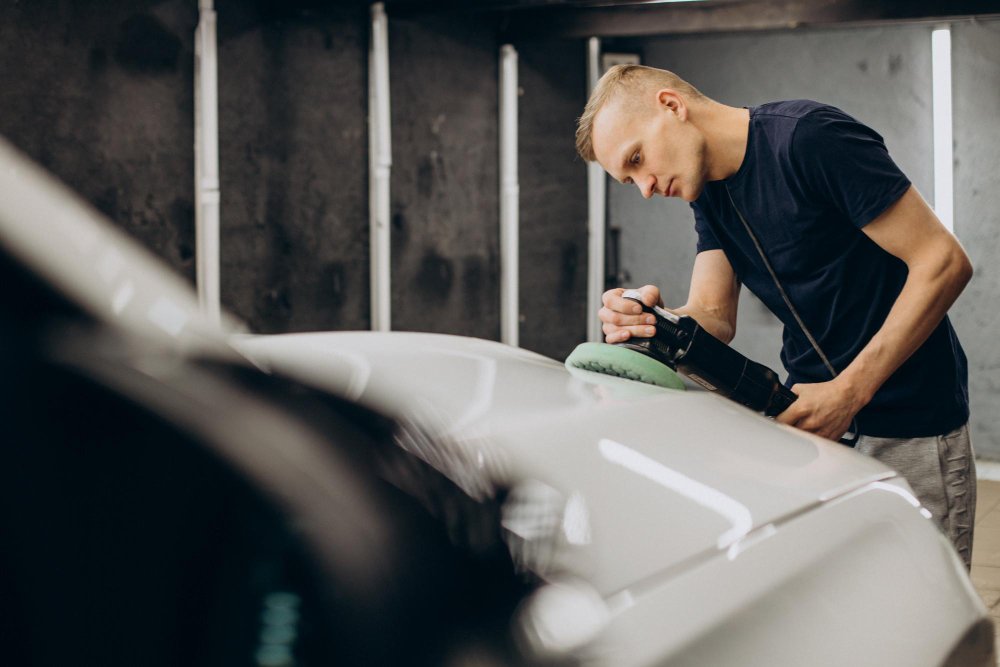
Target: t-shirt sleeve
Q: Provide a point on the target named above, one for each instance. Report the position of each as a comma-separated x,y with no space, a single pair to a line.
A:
846,164
706,239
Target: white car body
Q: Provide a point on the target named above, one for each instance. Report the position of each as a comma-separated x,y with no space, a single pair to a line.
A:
713,535
685,530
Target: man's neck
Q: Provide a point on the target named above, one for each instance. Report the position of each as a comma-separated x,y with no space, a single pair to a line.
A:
726,130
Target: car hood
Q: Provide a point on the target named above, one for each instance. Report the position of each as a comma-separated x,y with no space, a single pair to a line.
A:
644,480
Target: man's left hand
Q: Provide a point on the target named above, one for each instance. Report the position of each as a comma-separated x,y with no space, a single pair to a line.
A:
824,408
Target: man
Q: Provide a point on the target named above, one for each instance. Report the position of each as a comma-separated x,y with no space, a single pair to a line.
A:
803,205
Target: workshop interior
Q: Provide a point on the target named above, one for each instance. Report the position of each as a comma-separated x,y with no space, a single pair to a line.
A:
303,360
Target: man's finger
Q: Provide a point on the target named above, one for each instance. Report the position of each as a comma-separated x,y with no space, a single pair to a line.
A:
790,416
623,320
651,295
617,335
623,305
611,294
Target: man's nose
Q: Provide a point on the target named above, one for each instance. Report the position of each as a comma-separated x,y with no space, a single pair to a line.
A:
646,186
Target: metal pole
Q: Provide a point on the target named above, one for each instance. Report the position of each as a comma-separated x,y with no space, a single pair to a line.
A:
206,169
380,166
509,197
596,198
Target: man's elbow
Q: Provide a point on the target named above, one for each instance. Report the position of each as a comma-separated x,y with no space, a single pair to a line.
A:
966,271
951,272
960,268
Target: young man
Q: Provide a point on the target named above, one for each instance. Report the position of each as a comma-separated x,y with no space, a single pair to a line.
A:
803,205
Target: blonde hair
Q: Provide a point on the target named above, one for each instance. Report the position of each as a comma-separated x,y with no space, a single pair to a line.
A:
629,80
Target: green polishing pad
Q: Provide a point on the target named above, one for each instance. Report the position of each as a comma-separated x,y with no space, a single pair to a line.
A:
623,362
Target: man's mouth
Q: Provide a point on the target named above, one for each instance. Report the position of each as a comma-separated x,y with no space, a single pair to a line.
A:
670,189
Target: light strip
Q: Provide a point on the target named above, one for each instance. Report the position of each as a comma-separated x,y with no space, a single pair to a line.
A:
596,197
943,160
379,170
206,163
509,198
730,509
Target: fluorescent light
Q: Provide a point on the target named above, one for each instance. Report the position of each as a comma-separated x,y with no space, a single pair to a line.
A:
943,161
597,184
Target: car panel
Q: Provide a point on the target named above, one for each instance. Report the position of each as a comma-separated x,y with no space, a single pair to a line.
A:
793,597
705,471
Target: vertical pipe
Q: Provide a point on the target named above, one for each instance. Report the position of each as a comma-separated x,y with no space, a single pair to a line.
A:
206,169
596,197
941,95
509,197
380,165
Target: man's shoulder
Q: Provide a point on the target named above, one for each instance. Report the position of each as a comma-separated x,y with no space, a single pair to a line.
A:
794,109
791,126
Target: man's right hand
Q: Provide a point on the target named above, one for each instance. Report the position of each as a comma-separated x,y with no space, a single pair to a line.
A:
623,318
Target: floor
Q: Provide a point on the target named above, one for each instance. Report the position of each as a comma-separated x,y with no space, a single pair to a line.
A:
986,549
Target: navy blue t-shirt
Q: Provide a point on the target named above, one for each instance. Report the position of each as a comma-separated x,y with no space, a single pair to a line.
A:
811,179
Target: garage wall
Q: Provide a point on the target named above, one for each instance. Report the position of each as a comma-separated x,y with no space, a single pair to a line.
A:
553,210
293,99
445,217
103,99
976,86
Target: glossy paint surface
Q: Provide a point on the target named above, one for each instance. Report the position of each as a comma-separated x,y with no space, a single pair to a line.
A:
666,476
713,535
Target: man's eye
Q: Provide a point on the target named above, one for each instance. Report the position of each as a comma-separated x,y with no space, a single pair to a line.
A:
635,159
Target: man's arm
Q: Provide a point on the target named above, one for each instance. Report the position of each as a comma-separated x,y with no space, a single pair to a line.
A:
712,302
939,270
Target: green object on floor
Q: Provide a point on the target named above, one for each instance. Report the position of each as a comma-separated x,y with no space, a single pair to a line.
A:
622,362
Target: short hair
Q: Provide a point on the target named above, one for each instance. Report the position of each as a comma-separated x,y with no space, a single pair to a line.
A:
628,79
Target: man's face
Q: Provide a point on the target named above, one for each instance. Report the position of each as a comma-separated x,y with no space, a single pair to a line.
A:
653,146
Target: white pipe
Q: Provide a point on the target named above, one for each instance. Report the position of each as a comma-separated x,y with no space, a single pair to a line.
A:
596,198
380,167
206,169
941,95
509,197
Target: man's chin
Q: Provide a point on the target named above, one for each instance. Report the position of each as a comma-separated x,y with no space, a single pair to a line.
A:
688,196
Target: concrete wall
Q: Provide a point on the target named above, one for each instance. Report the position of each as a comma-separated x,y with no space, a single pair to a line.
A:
553,209
293,98
976,85
445,198
104,100
882,77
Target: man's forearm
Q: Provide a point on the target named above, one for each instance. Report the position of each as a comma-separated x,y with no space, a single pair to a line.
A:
714,323
928,293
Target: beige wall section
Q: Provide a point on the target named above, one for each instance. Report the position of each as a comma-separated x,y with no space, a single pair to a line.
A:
976,89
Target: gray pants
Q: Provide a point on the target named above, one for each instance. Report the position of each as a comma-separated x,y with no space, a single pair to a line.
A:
942,471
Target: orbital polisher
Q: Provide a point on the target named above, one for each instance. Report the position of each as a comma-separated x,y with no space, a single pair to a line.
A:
681,345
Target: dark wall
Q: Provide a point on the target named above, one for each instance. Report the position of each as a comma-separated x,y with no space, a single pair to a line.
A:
553,210
103,99
445,218
293,98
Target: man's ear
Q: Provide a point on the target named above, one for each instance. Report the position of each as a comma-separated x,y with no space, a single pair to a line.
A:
671,100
